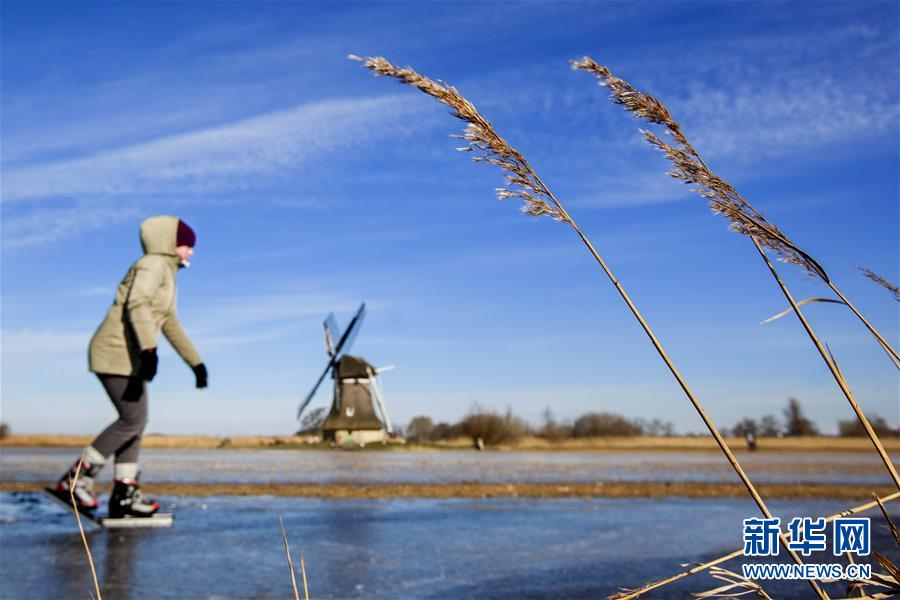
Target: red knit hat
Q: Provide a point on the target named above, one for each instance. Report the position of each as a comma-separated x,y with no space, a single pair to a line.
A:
185,235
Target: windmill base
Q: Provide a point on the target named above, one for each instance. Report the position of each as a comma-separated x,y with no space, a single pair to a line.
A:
360,437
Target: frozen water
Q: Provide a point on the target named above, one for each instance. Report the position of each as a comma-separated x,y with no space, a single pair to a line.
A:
502,548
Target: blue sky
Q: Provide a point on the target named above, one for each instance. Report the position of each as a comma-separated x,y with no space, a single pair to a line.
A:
313,186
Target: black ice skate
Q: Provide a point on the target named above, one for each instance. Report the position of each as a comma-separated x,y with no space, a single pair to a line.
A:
84,486
127,500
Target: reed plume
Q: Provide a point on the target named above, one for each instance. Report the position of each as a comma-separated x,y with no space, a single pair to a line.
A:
524,183
893,289
482,140
690,168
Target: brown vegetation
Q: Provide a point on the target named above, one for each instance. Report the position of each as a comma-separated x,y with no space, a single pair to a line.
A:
853,428
702,443
605,424
495,490
493,429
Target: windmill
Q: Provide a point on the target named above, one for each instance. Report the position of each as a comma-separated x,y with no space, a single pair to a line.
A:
357,415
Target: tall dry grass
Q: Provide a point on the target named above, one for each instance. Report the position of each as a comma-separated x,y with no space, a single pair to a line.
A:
690,168
523,183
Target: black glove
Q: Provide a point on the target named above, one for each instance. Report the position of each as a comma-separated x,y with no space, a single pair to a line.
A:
149,362
201,375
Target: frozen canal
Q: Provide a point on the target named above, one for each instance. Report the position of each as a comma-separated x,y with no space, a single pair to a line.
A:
397,549
287,466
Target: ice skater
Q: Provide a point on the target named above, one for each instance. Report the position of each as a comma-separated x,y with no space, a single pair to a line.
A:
123,355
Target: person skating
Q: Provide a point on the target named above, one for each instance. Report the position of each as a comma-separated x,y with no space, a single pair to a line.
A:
123,355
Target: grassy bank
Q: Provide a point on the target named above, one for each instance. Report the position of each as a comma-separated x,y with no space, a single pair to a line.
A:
636,443
498,490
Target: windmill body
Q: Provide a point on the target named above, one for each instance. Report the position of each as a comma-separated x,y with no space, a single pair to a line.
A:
358,415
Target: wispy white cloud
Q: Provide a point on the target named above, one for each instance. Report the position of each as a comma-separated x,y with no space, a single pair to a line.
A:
251,310
214,158
790,114
782,92
633,185
44,226
99,290
240,321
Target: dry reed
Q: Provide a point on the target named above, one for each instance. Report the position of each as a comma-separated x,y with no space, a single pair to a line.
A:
890,567
735,585
888,518
483,141
287,551
690,168
303,573
788,311
524,183
893,289
637,592
72,482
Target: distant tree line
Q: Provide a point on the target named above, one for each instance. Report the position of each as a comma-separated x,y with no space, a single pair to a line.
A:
494,428
795,423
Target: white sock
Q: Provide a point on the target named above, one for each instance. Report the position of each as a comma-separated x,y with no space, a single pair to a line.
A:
126,471
94,457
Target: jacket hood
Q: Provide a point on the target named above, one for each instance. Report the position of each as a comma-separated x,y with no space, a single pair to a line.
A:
158,235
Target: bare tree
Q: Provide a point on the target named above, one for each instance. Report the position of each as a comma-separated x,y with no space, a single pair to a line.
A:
795,421
769,427
419,428
312,421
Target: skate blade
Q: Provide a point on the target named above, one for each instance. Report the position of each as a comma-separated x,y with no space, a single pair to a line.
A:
87,516
157,520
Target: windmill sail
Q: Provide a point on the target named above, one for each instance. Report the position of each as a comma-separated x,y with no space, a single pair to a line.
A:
332,333
343,345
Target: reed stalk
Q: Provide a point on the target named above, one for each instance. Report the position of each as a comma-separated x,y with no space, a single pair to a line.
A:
833,368
856,588
735,585
888,348
888,518
287,551
689,167
524,183
723,198
303,572
87,548
649,587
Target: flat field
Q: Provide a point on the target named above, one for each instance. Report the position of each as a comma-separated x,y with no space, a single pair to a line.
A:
637,443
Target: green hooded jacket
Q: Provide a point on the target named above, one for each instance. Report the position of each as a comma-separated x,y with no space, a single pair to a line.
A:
144,306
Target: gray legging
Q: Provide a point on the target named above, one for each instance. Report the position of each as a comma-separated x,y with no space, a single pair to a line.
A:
123,437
